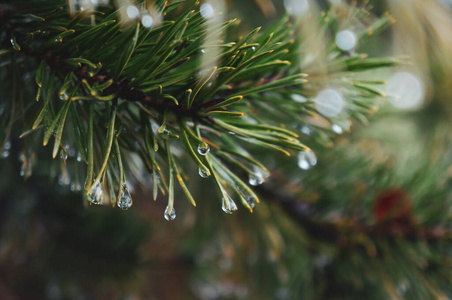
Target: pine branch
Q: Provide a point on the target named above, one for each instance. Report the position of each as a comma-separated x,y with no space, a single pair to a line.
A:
151,78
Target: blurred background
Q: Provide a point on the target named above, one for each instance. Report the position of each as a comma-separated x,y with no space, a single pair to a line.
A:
317,234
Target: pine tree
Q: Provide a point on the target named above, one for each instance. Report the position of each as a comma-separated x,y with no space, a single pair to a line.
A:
156,94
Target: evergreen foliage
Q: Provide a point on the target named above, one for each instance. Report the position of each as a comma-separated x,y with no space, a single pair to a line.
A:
127,103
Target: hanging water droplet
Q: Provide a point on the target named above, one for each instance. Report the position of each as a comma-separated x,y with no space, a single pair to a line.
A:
228,205
64,179
307,160
125,201
76,186
63,154
298,98
71,151
255,179
169,216
95,194
203,148
258,177
204,173
203,51
64,96
6,149
337,129
79,157
306,130
249,197
165,133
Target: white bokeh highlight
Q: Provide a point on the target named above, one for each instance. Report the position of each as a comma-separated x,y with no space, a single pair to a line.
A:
329,102
132,12
207,10
405,90
346,40
296,7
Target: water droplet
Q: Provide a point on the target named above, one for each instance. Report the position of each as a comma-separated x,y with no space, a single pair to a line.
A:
203,51
249,198
169,216
64,96
228,205
204,173
64,179
255,179
341,127
306,130
337,129
63,154
203,148
206,10
346,40
298,98
71,151
132,12
95,194
125,201
165,133
27,164
76,186
330,102
6,149
296,7
307,160
147,21
405,90
79,157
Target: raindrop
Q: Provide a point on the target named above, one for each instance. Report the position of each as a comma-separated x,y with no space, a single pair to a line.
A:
165,133
228,205
330,102
337,129
206,10
203,51
307,160
71,151
5,151
346,40
76,187
203,148
64,179
306,130
64,96
132,12
79,157
255,179
298,98
63,154
125,201
249,197
95,194
296,7
147,21
169,216
341,127
258,177
204,173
